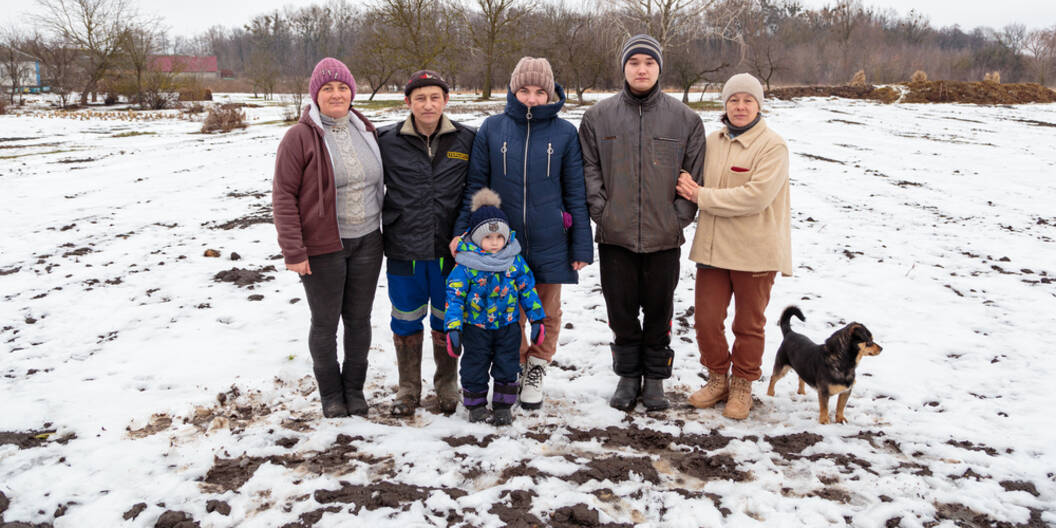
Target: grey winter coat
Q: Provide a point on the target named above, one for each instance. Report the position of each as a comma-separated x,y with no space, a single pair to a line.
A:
633,151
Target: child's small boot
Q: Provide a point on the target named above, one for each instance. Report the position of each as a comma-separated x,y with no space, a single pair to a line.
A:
476,404
502,400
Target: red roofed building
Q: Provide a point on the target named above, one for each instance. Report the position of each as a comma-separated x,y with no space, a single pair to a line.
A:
187,66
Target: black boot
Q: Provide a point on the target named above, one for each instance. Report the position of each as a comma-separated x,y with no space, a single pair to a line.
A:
331,392
627,363
503,396
477,405
626,395
653,395
657,365
354,375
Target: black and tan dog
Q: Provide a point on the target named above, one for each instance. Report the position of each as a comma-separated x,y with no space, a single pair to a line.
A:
829,368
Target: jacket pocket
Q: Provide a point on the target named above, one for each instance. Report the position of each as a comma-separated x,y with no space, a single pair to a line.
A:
667,152
737,176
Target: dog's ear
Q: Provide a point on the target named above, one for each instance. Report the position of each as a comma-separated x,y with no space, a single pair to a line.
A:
860,333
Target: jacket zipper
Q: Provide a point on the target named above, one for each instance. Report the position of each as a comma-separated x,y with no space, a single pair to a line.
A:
549,152
524,177
504,158
641,156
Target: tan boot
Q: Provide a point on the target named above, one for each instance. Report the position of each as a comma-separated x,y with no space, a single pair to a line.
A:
445,381
716,390
740,400
409,365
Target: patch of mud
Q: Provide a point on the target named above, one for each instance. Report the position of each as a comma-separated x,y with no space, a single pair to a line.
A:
261,216
381,495
218,506
650,440
134,511
884,94
965,444
176,519
962,515
158,422
792,443
244,277
8,271
342,457
1020,485
31,439
832,494
820,158
718,467
616,469
308,519
580,515
520,470
459,441
916,469
231,473
977,93
846,461
513,510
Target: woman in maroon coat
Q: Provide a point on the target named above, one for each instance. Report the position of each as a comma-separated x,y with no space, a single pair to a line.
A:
326,199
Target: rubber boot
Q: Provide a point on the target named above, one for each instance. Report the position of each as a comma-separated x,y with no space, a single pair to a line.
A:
409,365
445,381
627,363
653,395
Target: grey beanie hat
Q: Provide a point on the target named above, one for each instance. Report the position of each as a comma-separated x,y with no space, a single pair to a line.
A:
743,83
531,71
641,43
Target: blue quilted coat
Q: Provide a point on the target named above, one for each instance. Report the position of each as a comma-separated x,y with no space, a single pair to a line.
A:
532,160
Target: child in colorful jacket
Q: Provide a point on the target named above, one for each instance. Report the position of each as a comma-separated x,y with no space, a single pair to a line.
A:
483,291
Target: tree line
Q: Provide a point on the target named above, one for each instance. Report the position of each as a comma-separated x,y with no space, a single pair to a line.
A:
85,44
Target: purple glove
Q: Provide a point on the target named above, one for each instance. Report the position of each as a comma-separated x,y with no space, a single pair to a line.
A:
566,219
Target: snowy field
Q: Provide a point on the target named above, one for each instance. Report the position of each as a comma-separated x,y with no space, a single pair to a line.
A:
137,388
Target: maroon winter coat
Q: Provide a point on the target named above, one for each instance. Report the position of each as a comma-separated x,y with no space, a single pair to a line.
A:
303,193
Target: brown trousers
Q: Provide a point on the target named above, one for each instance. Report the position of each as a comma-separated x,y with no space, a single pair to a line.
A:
751,294
550,295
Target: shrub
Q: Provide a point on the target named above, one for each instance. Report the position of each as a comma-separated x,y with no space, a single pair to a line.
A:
993,77
858,79
919,76
224,118
196,93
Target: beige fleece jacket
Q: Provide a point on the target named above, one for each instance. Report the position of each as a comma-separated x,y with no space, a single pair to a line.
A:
744,218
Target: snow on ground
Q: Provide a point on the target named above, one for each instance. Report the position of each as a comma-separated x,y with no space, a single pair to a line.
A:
137,390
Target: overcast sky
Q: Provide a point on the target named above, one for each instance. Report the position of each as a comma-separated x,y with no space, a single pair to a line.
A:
190,17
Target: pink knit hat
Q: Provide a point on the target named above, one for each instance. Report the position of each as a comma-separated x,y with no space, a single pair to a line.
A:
330,69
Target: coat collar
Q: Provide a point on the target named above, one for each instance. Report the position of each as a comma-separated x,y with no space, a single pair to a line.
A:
446,126
516,109
748,137
653,97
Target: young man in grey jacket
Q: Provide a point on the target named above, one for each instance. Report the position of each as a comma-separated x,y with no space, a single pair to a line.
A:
634,145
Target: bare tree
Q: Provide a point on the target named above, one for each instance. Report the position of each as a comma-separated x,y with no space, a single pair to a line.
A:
491,34
1041,53
582,47
375,60
270,39
421,31
670,22
94,26
15,64
59,62
140,44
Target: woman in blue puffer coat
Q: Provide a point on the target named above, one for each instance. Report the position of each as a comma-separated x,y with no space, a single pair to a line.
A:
531,158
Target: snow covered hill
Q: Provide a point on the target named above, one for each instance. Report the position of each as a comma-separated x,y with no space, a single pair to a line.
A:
143,383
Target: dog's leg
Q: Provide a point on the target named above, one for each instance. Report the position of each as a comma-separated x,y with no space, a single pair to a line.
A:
841,402
779,372
802,387
823,406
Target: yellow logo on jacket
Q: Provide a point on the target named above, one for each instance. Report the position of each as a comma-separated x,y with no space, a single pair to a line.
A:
457,155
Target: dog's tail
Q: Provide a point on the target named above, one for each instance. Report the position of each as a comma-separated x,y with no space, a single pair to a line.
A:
786,317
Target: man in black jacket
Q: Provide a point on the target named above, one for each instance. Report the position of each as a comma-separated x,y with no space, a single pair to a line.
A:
634,145
425,159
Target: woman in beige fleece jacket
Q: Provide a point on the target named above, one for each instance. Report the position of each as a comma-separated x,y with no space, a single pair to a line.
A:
742,242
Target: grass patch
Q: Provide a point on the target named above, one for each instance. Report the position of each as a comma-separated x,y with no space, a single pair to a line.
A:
37,154
133,133
705,105
378,105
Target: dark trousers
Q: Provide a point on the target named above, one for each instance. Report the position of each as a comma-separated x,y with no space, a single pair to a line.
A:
341,287
640,283
489,354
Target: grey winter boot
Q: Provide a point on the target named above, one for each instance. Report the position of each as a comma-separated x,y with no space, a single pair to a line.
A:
445,381
409,365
